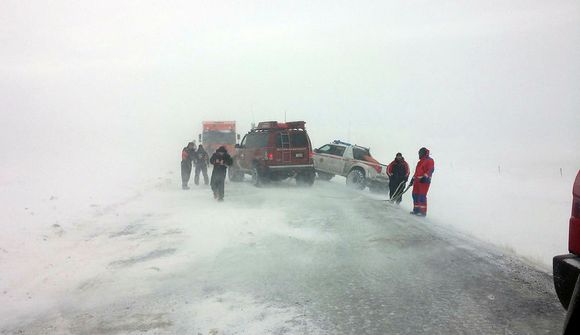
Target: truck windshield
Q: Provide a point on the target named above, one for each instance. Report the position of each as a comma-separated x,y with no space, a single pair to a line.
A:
225,137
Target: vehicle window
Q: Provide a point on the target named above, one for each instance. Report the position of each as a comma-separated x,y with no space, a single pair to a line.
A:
250,140
339,151
262,140
325,149
221,137
332,150
257,140
298,139
283,141
359,154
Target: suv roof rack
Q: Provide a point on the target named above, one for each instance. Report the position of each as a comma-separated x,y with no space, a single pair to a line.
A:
341,142
266,125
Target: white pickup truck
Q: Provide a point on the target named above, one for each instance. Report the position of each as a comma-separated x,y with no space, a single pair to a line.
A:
353,162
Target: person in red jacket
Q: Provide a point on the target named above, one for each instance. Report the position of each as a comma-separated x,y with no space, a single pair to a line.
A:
421,181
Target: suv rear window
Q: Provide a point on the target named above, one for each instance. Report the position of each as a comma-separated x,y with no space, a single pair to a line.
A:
298,139
283,140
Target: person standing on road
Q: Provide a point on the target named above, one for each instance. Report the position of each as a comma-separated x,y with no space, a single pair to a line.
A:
398,172
201,165
421,182
220,160
187,158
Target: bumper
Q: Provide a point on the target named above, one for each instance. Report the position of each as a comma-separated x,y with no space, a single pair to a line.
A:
290,169
566,270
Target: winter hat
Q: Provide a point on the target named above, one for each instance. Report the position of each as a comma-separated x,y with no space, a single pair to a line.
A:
423,152
222,149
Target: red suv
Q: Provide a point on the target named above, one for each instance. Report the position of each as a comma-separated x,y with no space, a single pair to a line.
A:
567,268
275,151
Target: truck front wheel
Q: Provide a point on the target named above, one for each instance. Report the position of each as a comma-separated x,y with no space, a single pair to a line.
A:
258,177
235,175
305,178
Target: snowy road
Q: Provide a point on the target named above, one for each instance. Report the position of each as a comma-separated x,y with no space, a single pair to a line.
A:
278,260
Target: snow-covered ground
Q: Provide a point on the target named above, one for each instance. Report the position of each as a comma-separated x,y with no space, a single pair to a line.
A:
118,250
526,212
281,259
97,101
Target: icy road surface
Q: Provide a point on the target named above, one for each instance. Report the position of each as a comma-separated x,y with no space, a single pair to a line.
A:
277,260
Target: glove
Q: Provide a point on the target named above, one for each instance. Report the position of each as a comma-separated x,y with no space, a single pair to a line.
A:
424,180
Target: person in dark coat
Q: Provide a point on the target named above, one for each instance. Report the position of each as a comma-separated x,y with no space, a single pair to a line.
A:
201,165
187,158
398,172
220,160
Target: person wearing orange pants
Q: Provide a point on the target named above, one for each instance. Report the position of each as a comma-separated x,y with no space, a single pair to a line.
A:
421,181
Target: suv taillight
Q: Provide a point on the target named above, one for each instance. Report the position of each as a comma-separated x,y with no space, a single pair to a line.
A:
310,154
269,156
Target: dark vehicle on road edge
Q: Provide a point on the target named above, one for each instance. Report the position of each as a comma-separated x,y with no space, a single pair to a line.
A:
567,268
275,151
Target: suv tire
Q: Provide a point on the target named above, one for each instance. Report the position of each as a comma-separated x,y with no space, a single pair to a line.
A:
306,178
235,175
258,178
356,179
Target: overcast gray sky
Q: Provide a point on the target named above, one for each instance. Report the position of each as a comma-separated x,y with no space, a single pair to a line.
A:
500,78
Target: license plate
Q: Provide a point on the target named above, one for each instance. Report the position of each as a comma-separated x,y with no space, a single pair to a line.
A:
299,155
